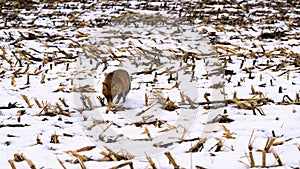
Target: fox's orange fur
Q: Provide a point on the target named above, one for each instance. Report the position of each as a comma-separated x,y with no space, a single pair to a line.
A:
116,83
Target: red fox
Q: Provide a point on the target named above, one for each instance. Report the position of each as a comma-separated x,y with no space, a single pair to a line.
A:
116,83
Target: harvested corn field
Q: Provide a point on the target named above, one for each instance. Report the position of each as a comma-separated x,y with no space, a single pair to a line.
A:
214,84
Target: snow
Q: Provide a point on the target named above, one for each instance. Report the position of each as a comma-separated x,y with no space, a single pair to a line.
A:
144,37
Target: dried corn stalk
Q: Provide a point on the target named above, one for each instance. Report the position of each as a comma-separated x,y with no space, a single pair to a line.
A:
146,131
79,157
12,165
152,164
227,133
13,81
250,147
26,100
87,148
171,160
61,163
199,146
38,103
123,165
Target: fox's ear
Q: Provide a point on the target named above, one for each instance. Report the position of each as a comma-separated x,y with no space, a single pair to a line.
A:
104,85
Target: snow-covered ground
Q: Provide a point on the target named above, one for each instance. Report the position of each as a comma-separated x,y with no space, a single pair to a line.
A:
245,54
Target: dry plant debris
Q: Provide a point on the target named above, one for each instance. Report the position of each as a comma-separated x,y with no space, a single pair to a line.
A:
267,149
198,146
256,44
21,157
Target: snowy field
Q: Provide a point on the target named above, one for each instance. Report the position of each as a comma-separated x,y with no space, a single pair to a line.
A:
214,84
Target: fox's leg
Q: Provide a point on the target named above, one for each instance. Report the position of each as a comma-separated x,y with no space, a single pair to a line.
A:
124,93
124,97
119,98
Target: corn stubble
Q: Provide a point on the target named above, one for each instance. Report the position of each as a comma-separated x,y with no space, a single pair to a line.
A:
48,61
